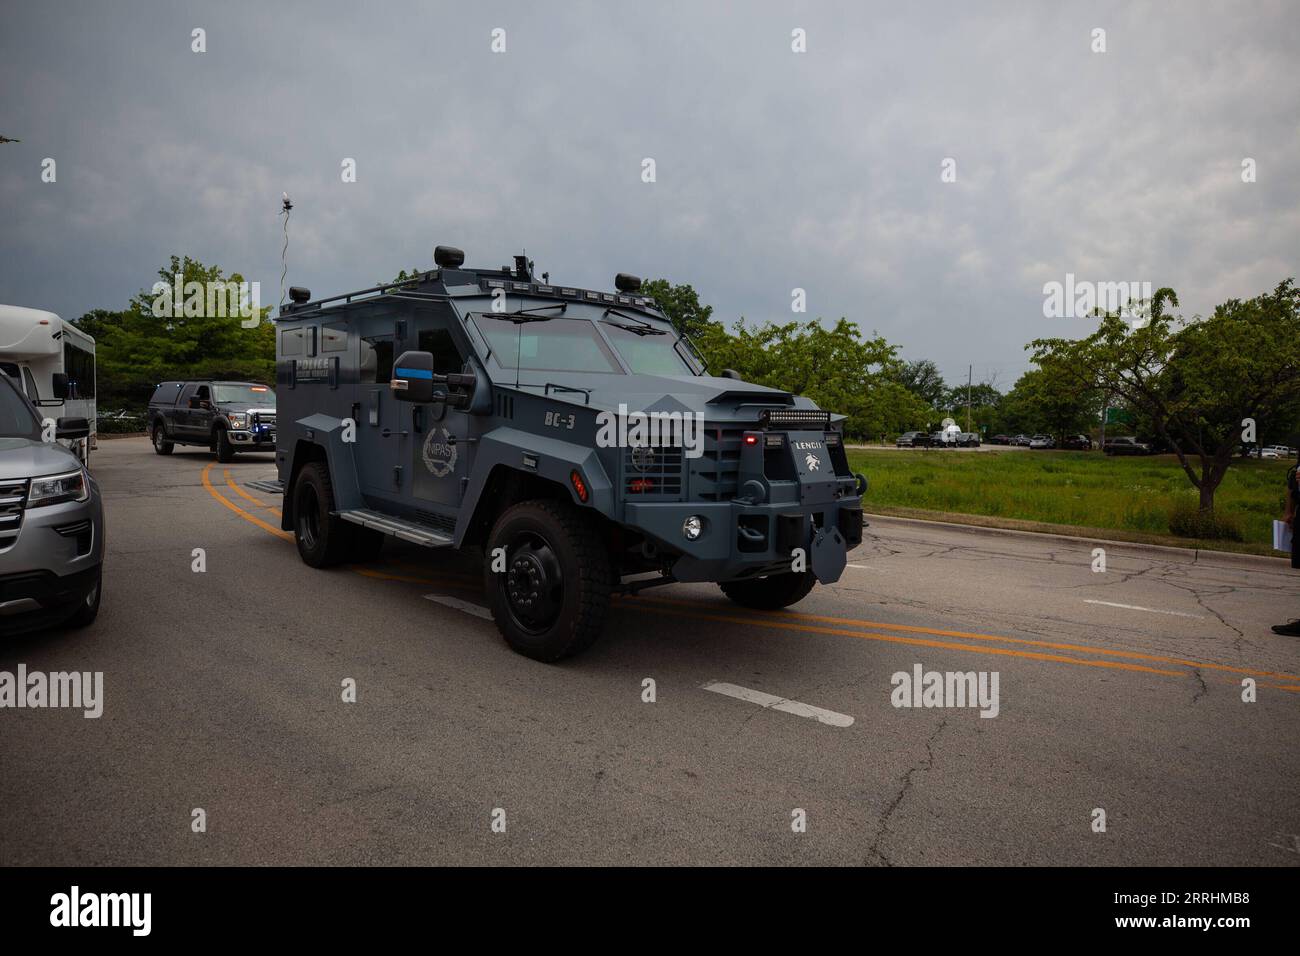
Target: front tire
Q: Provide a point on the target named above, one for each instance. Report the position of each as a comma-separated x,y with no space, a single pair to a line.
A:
323,540
161,445
772,592
551,599
225,450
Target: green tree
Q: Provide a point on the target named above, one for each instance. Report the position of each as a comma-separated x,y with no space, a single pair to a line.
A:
1049,400
921,377
149,342
1200,381
835,367
682,304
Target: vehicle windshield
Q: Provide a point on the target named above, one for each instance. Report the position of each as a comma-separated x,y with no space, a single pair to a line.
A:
552,344
648,350
243,395
17,420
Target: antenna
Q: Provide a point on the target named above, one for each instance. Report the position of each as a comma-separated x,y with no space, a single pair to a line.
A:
286,207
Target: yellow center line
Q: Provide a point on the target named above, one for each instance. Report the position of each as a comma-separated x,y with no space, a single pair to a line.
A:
207,483
1051,645
792,621
246,496
947,645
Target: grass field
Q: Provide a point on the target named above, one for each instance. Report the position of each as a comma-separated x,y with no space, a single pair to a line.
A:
1081,490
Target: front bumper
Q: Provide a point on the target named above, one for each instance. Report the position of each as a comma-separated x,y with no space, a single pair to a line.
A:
260,440
53,564
743,540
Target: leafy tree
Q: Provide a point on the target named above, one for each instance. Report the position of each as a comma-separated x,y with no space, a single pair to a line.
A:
921,377
835,367
680,303
149,342
981,395
1049,400
1199,381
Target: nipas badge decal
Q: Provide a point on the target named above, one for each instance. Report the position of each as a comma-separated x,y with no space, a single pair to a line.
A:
439,456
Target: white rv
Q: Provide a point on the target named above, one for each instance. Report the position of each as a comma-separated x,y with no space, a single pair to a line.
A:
53,363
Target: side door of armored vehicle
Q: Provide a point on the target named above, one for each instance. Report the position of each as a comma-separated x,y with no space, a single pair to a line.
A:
442,444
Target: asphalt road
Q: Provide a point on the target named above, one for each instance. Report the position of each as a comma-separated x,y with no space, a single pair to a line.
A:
223,692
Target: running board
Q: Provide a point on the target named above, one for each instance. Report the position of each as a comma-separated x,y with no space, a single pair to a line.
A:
271,486
399,528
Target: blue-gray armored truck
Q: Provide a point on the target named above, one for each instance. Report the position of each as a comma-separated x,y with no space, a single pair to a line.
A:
572,436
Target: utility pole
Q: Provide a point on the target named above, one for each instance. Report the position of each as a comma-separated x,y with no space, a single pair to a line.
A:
969,370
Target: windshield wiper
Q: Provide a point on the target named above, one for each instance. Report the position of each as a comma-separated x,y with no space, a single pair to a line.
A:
641,328
520,316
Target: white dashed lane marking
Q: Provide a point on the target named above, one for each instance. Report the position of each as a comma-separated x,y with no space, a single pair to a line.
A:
781,703
1152,610
468,607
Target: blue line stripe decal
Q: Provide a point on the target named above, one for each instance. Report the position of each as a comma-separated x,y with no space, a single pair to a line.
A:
414,373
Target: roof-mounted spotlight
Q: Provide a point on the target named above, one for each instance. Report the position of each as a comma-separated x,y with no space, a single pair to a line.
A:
626,283
299,295
449,257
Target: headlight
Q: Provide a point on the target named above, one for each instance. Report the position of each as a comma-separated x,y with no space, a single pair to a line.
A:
56,489
238,421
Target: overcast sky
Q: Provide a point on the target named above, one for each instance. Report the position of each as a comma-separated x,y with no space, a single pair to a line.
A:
775,170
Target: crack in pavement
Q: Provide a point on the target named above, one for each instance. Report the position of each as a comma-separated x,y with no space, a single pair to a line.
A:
874,850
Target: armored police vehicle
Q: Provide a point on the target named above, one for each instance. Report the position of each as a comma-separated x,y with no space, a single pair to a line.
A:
572,435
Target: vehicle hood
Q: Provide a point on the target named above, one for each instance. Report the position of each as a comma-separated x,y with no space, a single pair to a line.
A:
24,458
716,398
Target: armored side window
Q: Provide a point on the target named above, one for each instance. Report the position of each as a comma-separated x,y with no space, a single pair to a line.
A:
291,342
376,363
439,343
333,338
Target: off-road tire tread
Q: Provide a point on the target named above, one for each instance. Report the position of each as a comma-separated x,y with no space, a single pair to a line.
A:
594,575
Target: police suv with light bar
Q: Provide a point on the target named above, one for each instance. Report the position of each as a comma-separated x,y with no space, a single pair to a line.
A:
572,435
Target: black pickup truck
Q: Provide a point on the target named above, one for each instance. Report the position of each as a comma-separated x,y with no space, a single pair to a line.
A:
227,417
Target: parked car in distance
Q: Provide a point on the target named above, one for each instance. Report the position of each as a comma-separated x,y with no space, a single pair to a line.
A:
913,440
968,440
51,521
1126,445
1276,451
1077,443
1023,440
941,440
1042,441
1000,440
224,416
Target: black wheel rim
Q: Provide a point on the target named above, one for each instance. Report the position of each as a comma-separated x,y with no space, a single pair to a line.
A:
533,584
308,511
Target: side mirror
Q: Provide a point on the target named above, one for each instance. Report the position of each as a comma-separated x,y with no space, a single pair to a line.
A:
71,428
196,402
59,384
729,373
413,377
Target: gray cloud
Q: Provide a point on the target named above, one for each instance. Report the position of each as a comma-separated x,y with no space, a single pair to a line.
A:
775,170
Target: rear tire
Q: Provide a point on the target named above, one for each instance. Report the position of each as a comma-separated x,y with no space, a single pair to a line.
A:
772,592
323,540
225,450
160,443
550,602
